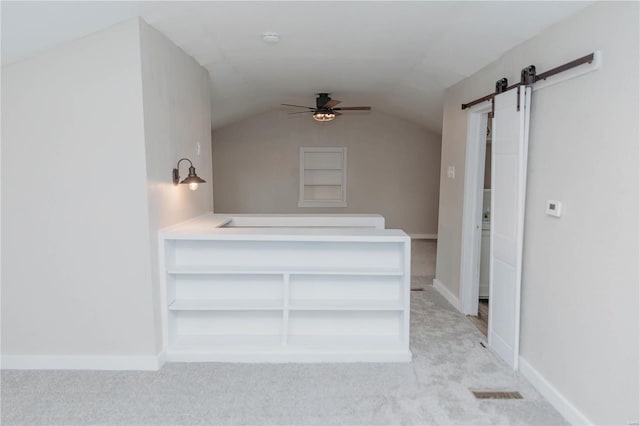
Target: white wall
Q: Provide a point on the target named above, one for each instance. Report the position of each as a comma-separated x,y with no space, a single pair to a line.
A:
393,166
580,280
75,272
90,133
177,117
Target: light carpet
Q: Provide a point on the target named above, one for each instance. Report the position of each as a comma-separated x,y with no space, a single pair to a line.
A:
431,390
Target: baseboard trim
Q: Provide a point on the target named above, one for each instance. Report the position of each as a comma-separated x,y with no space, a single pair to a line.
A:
555,398
423,236
63,362
162,359
446,293
243,357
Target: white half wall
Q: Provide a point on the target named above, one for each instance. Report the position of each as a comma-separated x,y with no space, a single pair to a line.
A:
177,119
580,300
76,277
393,166
90,133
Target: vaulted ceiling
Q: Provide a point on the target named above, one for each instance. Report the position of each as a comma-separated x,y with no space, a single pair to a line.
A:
398,57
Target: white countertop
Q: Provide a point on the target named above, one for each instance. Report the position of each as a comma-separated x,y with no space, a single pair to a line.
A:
286,228
205,223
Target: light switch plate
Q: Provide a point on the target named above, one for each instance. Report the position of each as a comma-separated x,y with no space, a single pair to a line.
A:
554,208
451,172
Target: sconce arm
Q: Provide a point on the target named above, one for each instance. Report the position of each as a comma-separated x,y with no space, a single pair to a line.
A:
176,171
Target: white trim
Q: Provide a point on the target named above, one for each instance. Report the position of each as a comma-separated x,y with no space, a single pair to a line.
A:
424,236
88,362
162,358
446,293
555,398
163,291
472,208
322,203
266,357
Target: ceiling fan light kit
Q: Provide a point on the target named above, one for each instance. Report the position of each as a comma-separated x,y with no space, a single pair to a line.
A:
323,116
325,109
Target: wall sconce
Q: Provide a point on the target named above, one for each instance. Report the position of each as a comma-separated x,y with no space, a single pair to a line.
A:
192,180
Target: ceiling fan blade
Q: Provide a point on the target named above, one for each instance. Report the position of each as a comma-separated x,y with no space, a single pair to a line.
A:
298,106
331,103
301,112
362,108
337,113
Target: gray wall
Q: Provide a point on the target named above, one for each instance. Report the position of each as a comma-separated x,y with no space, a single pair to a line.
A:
580,277
393,166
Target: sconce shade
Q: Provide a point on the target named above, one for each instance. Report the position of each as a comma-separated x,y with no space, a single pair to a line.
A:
192,179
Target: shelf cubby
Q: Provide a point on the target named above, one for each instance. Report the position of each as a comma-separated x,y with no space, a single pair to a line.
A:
344,305
226,305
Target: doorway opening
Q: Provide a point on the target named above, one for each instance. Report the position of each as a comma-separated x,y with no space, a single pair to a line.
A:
473,211
481,319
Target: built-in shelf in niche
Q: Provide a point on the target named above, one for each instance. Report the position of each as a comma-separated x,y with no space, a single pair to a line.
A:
323,177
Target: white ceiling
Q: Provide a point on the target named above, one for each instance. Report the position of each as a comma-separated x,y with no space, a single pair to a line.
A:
398,57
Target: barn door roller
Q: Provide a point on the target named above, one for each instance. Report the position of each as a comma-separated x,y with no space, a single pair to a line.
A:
528,75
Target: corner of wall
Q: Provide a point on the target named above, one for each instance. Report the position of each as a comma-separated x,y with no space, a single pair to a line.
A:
447,294
177,124
553,395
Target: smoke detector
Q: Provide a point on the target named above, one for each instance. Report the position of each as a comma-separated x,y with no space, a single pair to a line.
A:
271,37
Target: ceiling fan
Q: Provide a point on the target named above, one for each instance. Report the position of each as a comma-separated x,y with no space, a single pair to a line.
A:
325,109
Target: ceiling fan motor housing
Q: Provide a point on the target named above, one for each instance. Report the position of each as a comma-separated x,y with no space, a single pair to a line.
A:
322,100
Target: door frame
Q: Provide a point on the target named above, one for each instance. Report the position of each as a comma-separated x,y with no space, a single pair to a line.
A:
477,121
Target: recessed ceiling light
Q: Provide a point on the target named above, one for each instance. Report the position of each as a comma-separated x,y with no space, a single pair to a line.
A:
271,37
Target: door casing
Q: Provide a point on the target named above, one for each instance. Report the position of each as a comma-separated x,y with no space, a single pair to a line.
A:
472,207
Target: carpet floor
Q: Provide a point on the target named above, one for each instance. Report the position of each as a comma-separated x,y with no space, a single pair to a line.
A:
433,389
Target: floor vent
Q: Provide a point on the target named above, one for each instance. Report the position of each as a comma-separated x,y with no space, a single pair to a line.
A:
496,394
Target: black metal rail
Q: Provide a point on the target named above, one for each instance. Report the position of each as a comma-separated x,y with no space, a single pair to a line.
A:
569,65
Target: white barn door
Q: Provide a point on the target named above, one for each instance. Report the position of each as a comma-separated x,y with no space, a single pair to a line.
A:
510,138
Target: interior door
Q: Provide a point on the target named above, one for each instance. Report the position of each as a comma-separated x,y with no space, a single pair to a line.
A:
508,181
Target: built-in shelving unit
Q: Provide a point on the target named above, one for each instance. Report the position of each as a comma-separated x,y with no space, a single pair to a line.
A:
323,177
236,296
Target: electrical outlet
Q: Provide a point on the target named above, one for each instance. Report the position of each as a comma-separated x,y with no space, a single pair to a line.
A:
198,149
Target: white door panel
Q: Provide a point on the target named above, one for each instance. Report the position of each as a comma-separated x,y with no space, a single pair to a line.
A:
505,220
503,145
508,182
504,274
505,249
